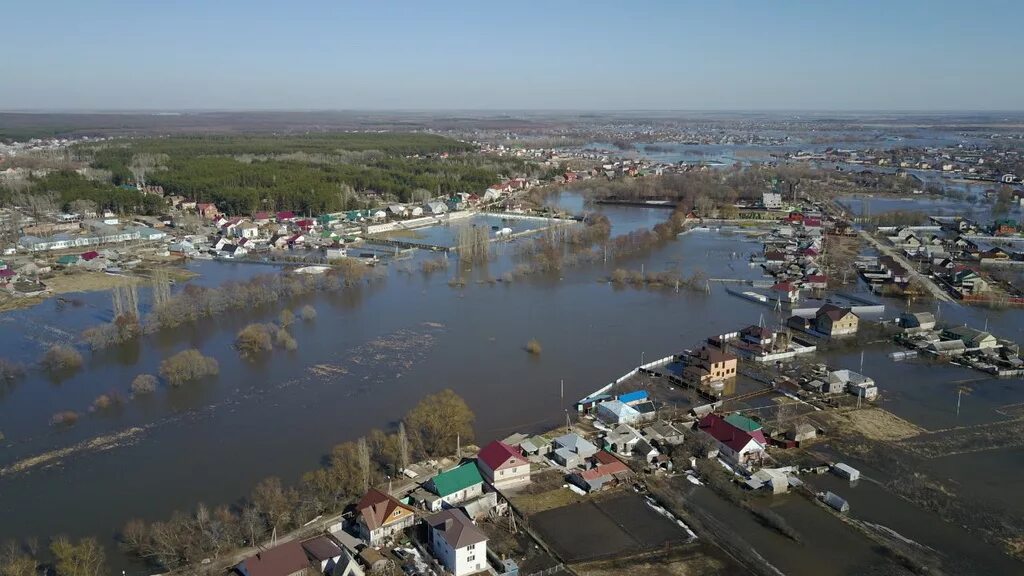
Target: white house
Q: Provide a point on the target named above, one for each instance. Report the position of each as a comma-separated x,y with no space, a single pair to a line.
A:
457,543
503,466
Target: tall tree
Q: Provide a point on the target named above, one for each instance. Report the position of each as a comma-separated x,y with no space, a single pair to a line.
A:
86,558
437,421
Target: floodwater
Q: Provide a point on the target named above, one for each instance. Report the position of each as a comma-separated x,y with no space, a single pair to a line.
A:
371,354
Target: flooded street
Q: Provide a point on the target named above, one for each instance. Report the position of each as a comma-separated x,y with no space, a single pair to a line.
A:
375,350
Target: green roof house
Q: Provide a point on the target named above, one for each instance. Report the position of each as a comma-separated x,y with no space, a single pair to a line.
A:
68,260
743,423
455,486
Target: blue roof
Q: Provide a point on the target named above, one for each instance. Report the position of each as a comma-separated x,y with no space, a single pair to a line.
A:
634,396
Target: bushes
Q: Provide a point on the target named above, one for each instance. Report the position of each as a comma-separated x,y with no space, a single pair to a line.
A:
434,265
64,418
105,401
287,318
144,384
10,371
285,340
186,366
308,313
534,347
61,359
253,340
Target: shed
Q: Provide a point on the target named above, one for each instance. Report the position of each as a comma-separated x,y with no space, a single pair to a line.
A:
835,502
846,471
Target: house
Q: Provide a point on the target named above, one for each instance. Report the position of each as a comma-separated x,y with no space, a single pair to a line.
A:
816,281
397,211
736,444
285,216
621,439
710,364
968,281
773,480
571,450
249,230
288,559
379,516
535,446
758,335
833,320
662,434
947,347
606,471
435,208
615,412
207,210
68,260
457,543
455,486
503,466
90,255
801,432
785,292
854,383
325,553
971,338
916,321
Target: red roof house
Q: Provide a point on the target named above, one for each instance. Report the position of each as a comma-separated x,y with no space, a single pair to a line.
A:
90,255
736,444
502,465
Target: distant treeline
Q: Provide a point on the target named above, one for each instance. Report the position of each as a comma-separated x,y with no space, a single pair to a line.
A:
306,174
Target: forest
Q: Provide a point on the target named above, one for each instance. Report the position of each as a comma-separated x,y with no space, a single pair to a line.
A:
306,174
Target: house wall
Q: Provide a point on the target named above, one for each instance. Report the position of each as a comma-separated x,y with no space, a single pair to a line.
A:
466,560
506,477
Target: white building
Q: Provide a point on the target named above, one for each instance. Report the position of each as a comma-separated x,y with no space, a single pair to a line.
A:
772,200
457,543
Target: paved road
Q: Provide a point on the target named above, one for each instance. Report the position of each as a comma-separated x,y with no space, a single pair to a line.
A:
925,281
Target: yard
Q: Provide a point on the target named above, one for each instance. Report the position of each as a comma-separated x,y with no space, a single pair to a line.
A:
614,524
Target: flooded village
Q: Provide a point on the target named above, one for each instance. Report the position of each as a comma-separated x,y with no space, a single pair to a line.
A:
773,383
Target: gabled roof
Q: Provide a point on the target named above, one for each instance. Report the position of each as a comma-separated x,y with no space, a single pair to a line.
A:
833,312
742,422
283,560
456,528
498,455
376,507
458,478
729,435
321,548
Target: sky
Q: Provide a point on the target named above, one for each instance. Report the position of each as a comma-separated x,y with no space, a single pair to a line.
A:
488,55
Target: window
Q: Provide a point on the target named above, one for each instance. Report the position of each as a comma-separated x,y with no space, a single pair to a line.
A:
471,547
470,558
502,473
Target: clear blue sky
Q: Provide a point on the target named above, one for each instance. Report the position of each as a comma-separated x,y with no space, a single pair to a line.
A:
555,54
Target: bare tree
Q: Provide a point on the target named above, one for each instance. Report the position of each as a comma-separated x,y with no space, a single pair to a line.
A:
403,447
364,464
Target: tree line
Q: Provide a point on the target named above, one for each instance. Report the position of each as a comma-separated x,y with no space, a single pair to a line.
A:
430,429
305,174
